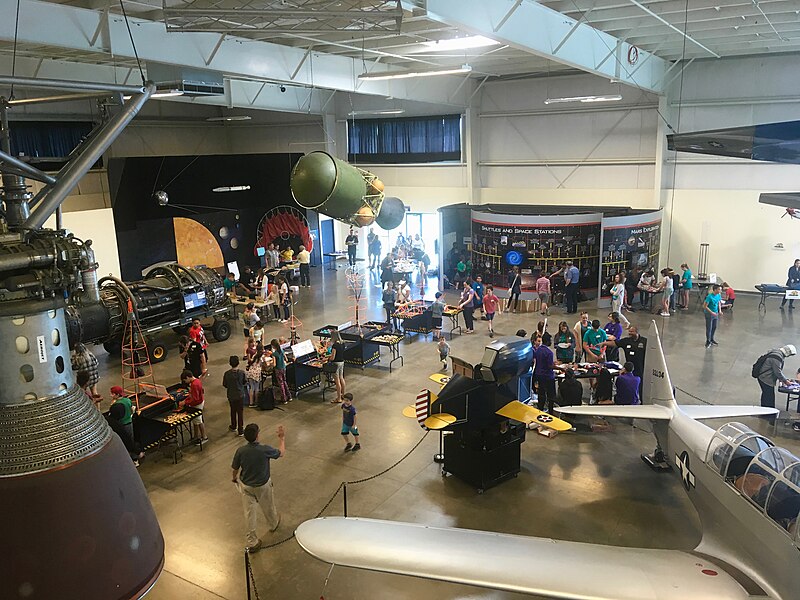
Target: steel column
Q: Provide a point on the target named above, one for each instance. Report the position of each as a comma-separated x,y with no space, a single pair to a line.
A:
72,173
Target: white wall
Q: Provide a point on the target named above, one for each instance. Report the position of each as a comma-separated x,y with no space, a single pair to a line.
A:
98,226
719,195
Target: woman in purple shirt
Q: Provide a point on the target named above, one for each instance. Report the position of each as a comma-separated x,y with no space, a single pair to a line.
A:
613,328
543,374
627,386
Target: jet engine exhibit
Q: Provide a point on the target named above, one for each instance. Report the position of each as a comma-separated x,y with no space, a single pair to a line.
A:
77,520
169,297
344,192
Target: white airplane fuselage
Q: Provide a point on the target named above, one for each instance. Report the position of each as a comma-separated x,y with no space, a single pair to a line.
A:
735,531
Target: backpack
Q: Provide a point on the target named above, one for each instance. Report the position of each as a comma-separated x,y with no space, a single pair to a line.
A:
758,366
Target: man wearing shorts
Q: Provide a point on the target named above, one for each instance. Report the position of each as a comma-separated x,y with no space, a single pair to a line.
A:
543,289
491,304
437,310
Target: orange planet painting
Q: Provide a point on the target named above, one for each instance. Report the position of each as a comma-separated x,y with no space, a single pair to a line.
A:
195,245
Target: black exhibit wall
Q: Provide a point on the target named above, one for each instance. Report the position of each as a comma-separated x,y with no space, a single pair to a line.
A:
536,238
197,225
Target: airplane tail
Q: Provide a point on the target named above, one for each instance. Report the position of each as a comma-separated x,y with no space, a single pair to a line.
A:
657,386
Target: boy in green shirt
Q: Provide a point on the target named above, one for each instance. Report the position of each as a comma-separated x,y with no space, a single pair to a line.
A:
119,397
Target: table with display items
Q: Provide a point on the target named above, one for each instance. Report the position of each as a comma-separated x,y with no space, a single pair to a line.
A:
416,316
452,312
704,285
402,269
289,271
367,351
792,393
586,370
359,351
769,290
392,342
158,423
258,303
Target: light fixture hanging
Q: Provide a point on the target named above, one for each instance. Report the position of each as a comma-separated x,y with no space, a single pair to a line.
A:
585,99
229,119
231,188
462,43
378,112
408,74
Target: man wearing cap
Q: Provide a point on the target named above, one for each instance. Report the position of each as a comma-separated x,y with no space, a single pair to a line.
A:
771,372
119,397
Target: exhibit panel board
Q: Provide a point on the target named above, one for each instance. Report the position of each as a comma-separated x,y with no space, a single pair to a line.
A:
536,244
629,244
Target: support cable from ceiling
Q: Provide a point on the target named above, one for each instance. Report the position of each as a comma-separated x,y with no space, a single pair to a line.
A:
133,44
14,51
678,123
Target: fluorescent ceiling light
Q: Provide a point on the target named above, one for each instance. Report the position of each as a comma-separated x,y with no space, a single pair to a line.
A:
407,74
228,119
232,188
388,111
585,99
464,43
166,93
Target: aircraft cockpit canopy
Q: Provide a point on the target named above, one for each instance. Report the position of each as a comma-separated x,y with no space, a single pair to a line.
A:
732,448
767,476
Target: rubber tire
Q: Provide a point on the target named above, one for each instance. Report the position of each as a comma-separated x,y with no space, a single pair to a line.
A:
113,347
157,351
221,330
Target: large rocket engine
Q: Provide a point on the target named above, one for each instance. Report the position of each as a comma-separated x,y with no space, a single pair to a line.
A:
77,522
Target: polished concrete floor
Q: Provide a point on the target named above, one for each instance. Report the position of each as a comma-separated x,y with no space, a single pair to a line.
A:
583,487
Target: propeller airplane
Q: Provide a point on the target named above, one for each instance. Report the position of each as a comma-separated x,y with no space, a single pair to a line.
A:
745,490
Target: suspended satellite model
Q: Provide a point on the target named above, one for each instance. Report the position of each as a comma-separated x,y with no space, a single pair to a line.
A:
343,192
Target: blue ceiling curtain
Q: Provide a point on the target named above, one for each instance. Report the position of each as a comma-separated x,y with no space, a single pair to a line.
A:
407,140
47,139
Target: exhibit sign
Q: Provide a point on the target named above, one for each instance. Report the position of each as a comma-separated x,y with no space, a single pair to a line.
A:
630,244
536,244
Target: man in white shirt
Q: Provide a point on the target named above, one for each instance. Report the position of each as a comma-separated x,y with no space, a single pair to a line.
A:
304,258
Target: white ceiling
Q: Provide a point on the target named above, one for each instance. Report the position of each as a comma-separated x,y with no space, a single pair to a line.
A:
374,35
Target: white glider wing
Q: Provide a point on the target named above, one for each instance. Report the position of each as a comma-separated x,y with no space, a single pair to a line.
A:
697,411
654,412
537,566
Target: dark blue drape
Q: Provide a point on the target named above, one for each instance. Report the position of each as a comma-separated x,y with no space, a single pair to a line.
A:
416,139
47,138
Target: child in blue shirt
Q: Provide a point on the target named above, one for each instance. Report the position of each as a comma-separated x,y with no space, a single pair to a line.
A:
349,423
712,313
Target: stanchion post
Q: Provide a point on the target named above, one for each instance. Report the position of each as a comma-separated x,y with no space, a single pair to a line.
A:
247,572
345,499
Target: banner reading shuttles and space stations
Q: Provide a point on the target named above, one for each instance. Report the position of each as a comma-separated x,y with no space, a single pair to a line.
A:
599,247
536,243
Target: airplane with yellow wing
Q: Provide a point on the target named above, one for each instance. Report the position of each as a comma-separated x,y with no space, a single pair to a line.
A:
426,413
744,488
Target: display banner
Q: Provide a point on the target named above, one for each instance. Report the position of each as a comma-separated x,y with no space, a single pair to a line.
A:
629,244
536,244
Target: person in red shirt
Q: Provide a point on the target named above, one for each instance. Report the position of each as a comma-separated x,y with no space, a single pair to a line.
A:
195,399
543,289
198,334
491,305
730,295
